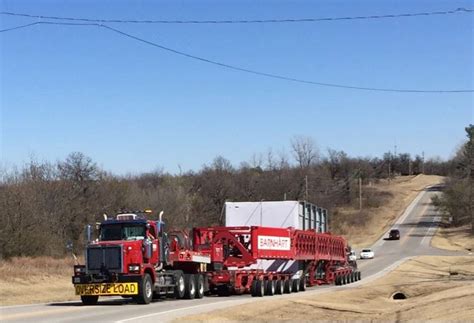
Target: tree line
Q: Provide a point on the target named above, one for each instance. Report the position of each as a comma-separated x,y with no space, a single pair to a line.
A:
457,202
45,205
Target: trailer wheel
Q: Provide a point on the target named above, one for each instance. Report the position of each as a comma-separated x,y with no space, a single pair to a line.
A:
190,286
337,281
89,300
253,288
270,287
260,288
303,284
180,286
145,290
279,288
359,275
287,286
199,286
353,278
295,285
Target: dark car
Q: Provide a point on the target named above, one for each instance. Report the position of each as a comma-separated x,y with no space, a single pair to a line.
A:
394,235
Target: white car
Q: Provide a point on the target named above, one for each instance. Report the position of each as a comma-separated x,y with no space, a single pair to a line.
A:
367,254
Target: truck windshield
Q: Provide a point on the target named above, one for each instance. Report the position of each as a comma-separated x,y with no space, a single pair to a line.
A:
122,231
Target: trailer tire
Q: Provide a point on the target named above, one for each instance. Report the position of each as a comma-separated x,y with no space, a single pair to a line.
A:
190,283
287,286
359,275
279,288
269,287
343,280
145,290
199,285
89,300
180,286
260,288
295,285
303,284
253,288
353,277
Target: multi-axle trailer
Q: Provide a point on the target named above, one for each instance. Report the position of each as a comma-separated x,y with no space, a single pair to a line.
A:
135,257
266,261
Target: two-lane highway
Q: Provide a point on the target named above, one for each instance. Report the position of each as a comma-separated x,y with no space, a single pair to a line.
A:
417,225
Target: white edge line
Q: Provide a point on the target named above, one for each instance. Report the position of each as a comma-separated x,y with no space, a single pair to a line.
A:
181,309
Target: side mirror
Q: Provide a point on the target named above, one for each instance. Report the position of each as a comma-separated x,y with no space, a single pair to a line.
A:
88,233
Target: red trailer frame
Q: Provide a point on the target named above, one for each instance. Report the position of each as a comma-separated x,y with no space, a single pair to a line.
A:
233,250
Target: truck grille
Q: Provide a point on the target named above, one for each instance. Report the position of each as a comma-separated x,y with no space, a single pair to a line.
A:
104,258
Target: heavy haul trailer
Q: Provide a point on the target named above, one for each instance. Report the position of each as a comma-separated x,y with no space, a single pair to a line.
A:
321,258
135,257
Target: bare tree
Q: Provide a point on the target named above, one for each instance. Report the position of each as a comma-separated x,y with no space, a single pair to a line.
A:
305,151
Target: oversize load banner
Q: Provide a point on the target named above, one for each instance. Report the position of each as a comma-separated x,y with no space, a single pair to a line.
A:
107,289
274,243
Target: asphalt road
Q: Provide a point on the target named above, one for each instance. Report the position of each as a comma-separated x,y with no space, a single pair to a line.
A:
417,225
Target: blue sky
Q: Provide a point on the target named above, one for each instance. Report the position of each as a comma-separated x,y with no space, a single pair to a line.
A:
133,108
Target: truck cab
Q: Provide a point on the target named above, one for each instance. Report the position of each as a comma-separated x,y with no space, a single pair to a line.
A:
133,256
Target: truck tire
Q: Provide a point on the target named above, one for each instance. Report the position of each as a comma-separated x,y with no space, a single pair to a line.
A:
295,285
199,286
287,286
279,287
260,288
353,277
145,290
337,281
303,284
269,287
89,300
190,289
180,286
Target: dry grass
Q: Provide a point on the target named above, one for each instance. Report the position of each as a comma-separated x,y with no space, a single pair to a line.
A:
459,239
34,280
433,292
397,195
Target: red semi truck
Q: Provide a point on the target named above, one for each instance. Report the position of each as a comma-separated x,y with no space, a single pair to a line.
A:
135,257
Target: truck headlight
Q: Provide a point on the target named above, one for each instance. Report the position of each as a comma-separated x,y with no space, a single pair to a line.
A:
79,270
133,268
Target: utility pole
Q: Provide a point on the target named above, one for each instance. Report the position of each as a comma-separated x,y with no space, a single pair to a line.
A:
389,167
423,162
306,191
360,193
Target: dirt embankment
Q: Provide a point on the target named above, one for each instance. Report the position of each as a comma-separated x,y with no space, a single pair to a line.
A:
440,288
396,195
456,239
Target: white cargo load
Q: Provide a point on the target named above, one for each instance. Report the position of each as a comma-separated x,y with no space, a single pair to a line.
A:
281,214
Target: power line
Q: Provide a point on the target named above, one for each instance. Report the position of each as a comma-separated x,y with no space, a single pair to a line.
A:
233,67
258,21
